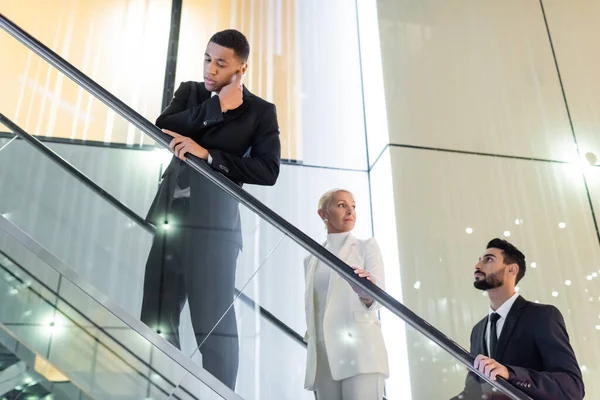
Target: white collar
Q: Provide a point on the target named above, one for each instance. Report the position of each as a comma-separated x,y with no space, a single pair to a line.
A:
504,309
213,94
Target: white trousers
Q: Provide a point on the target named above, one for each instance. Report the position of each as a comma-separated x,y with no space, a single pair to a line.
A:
360,387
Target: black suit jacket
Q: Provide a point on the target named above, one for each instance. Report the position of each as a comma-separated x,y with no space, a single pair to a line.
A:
534,346
244,146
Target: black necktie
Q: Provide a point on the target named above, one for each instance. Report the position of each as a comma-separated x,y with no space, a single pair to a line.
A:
494,317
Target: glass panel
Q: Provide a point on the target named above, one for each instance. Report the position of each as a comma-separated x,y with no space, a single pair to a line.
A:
73,222
80,338
23,374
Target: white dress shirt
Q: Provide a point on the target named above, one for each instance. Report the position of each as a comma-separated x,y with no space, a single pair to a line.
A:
502,311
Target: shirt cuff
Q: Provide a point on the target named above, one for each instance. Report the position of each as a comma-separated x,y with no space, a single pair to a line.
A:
209,159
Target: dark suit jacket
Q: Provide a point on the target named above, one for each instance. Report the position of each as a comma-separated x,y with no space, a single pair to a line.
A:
534,346
244,146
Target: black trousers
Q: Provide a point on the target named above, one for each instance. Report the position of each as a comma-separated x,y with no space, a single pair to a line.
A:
189,263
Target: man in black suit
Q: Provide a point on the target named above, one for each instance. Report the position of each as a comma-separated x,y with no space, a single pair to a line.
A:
198,237
523,342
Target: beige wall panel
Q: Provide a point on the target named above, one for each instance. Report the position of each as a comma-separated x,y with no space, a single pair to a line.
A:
472,75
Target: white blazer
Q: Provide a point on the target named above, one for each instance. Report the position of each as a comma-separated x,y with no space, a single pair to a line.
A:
352,332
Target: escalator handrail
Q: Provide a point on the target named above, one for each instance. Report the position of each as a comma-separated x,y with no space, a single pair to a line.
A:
259,208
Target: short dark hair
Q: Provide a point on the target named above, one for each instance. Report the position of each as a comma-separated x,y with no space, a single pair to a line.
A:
233,39
511,254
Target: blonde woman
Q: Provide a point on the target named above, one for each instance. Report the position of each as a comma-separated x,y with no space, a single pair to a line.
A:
347,359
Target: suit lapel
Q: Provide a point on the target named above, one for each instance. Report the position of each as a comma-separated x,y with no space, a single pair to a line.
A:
509,326
347,248
480,344
344,254
309,297
311,267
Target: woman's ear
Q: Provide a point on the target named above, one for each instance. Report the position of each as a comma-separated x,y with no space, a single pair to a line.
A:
322,214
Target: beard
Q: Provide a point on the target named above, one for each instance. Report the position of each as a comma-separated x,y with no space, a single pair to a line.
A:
490,281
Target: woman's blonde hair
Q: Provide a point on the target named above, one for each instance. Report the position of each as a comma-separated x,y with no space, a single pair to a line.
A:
327,198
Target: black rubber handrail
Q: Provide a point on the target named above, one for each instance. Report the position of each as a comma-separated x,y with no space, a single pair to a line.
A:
259,208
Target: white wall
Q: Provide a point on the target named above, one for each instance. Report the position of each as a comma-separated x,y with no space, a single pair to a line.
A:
373,81
333,128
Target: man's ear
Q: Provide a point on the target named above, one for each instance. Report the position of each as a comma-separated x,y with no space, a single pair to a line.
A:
244,68
513,269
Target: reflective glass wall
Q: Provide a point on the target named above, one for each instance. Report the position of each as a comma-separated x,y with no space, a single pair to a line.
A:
493,131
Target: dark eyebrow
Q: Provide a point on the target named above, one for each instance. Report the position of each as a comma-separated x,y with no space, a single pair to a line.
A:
218,59
488,255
